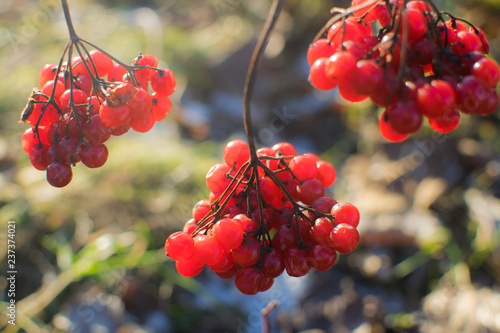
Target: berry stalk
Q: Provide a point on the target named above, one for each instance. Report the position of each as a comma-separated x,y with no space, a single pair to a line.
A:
276,7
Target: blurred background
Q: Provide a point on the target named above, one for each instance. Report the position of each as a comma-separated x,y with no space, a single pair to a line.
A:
90,256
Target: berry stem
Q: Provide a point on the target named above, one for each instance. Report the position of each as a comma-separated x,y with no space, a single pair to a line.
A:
252,73
69,22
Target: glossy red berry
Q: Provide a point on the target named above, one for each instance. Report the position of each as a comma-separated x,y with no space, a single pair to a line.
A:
179,246
163,82
228,232
344,237
59,174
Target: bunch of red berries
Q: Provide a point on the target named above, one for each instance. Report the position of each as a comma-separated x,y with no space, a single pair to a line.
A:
77,110
265,216
417,65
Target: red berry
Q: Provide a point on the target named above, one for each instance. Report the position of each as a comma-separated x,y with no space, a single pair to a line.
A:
143,124
94,156
272,264
344,212
318,78
447,123
116,73
487,71
140,104
436,99
344,237
38,156
145,74
224,264
387,131
283,149
59,174
320,231
249,280
236,153
322,258
340,66
229,233
310,190
404,117
161,106
216,177
248,253
320,49
115,117
189,267
326,173
163,82
179,246
295,260
285,238
102,63
303,167
47,73
207,249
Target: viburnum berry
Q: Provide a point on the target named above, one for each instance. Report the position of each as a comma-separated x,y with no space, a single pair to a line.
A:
321,257
59,174
163,82
344,237
248,253
277,219
344,212
76,110
179,246
207,249
416,59
229,233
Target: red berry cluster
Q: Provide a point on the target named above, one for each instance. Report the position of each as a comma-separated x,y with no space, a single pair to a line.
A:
77,110
265,217
417,65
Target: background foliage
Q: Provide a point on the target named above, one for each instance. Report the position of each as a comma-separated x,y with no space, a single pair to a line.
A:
90,255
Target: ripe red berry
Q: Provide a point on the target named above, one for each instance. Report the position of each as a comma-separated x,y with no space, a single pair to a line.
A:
143,124
216,177
487,71
436,99
47,73
321,257
179,246
320,49
236,153
318,78
161,106
189,267
249,280
163,82
207,249
59,174
344,212
228,232
404,117
115,117
310,190
272,263
344,237
303,167
248,253
340,66
320,231
447,123
387,131
296,263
